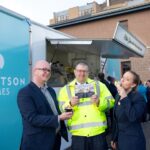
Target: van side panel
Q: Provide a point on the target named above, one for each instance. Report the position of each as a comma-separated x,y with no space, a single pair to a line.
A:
14,74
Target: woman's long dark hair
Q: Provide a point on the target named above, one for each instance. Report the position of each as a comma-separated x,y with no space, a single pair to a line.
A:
136,79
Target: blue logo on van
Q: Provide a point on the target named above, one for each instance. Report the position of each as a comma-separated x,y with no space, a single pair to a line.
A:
1,61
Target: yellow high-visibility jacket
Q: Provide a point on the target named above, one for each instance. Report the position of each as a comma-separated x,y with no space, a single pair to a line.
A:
88,119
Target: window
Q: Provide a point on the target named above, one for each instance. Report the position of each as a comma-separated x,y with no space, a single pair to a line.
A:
125,66
92,10
61,18
86,12
58,18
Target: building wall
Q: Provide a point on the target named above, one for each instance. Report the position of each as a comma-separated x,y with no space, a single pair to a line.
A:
138,24
73,12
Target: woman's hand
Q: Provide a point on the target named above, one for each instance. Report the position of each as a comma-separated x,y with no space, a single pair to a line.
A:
113,145
121,91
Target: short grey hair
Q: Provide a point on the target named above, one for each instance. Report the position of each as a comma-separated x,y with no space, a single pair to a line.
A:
82,64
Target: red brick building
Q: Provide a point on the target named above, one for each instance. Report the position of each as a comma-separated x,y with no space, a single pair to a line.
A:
134,15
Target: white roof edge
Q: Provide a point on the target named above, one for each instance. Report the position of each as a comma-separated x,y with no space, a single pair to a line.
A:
49,28
12,13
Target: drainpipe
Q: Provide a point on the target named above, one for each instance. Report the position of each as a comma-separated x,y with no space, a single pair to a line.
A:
108,3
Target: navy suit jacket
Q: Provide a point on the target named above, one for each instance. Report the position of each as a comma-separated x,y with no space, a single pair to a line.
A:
127,130
39,122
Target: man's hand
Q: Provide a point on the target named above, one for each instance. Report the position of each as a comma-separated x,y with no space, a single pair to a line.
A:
74,101
95,99
65,115
113,145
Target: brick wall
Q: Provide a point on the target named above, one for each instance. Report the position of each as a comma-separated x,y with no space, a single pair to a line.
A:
138,24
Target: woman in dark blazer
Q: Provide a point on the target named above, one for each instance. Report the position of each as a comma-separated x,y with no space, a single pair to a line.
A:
128,110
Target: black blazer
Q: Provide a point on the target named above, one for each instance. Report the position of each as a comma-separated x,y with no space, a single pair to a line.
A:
127,130
39,122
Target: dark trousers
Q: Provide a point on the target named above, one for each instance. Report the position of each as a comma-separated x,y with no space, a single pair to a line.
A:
97,142
57,142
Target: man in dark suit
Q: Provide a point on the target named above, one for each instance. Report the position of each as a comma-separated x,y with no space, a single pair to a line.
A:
43,123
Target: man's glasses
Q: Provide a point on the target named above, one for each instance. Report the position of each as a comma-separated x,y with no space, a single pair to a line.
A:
44,69
82,71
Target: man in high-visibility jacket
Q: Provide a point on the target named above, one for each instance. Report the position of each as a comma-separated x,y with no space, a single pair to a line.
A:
88,123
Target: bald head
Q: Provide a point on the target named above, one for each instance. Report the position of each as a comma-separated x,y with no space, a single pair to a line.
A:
41,72
42,64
